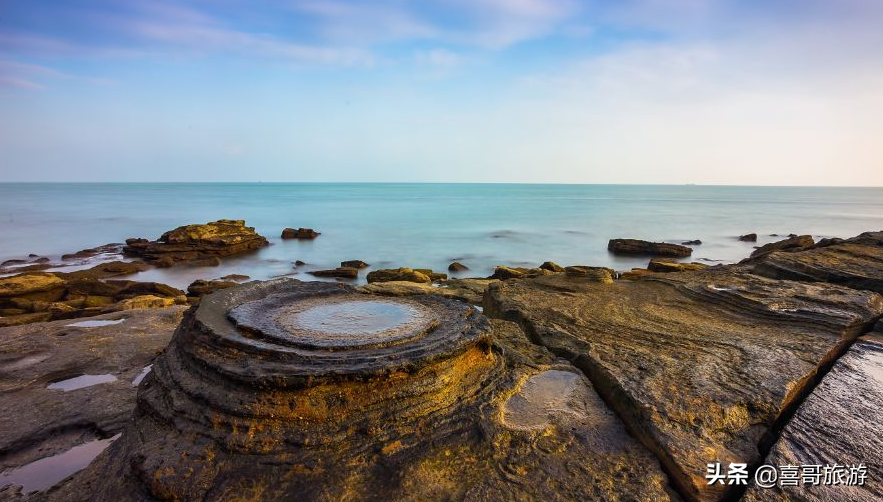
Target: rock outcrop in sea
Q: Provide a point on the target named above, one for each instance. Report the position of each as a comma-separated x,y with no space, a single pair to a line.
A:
196,242
647,248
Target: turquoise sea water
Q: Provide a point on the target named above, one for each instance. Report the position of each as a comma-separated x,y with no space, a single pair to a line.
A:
427,225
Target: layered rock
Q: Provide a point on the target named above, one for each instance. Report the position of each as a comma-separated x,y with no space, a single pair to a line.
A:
594,274
197,242
646,248
397,274
665,266
791,244
467,290
840,423
855,262
701,365
339,272
312,391
502,272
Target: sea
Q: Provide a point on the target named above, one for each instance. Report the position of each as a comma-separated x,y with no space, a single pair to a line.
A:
425,225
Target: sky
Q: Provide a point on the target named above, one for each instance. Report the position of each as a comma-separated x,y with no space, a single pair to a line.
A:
747,92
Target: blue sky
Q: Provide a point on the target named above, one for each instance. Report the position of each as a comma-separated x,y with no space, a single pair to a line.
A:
636,91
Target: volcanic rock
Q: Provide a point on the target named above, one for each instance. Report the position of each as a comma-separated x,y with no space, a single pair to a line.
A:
748,238
646,248
398,274
197,242
457,267
312,391
839,423
300,233
342,272
791,244
662,265
551,266
701,365
354,264
855,262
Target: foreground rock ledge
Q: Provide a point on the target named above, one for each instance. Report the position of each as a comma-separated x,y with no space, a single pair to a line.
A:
313,391
701,365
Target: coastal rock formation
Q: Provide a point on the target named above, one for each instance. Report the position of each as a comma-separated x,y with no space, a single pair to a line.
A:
312,391
791,244
748,238
196,242
43,296
551,266
663,265
467,290
840,423
502,272
300,233
201,287
593,274
646,248
855,262
340,272
433,276
39,421
457,267
354,264
701,365
397,274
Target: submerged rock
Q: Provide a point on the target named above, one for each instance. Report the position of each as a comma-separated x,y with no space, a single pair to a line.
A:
348,396
300,233
701,365
646,248
855,262
397,274
197,242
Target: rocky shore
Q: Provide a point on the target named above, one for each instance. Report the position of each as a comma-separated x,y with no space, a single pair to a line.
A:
546,383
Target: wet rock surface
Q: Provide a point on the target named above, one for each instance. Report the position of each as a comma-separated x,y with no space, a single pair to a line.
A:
196,242
791,244
700,365
40,418
855,262
351,396
646,248
840,423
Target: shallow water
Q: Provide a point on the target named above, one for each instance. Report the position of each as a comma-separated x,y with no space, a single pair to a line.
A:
354,318
81,382
427,225
541,398
46,472
95,324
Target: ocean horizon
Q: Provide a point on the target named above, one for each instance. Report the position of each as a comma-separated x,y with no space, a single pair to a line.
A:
428,225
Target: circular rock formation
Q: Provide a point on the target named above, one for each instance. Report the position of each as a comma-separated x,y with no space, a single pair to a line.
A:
286,390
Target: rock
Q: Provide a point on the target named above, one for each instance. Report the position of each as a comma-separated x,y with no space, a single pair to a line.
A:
635,274
695,242
24,284
399,274
235,277
639,247
131,289
354,264
662,265
18,320
201,287
457,267
855,262
197,242
479,412
12,262
701,365
593,274
105,270
433,276
142,302
840,422
111,248
341,272
466,290
502,273
36,355
299,263
828,242
791,244
748,238
300,233
551,266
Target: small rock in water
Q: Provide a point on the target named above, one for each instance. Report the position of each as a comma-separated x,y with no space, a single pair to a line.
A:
300,233
457,267
399,274
354,264
340,272
748,238
646,248
694,242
